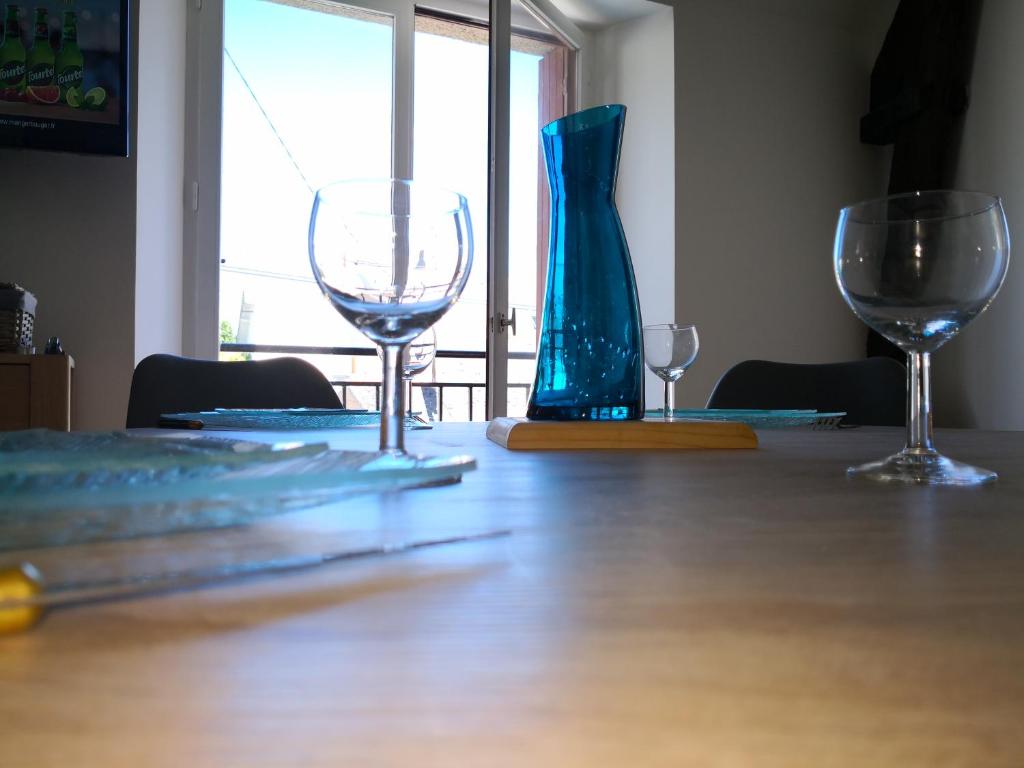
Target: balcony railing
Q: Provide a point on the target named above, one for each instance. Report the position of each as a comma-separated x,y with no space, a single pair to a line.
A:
441,386
344,385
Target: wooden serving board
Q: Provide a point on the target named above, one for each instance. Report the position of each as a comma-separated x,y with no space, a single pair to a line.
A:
523,435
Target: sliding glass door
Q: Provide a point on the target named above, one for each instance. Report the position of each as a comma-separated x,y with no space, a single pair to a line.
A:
308,98
312,91
452,142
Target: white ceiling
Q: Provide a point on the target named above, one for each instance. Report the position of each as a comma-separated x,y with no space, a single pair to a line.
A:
846,13
599,13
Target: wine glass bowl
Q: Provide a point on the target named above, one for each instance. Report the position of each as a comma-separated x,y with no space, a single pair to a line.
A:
670,349
392,256
917,268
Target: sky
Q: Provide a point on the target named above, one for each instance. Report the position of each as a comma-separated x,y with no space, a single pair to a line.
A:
323,84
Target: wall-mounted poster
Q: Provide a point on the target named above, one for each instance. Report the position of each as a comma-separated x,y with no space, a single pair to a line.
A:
64,75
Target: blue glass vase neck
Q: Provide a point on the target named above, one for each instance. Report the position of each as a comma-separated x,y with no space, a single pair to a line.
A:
583,152
590,354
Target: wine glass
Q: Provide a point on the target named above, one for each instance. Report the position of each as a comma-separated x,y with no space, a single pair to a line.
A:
392,256
419,354
416,358
917,268
668,351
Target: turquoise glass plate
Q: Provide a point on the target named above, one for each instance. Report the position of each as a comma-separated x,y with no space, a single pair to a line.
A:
70,488
278,419
761,419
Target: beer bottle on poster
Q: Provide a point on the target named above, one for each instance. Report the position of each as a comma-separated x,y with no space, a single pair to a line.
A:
39,65
12,58
70,63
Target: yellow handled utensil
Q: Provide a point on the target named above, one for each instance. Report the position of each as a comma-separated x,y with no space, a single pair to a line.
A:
19,587
24,596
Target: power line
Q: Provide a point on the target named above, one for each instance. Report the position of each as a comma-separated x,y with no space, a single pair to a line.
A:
270,122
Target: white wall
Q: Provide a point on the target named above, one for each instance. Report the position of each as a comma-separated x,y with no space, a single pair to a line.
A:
160,158
768,103
979,376
634,67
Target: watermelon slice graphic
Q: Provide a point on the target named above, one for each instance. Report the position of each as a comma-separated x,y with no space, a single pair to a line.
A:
43,94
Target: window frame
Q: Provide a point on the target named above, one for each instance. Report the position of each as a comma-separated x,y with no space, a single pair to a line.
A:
202,173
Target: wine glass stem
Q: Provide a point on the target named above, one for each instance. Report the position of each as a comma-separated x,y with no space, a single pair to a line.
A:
919,403
391,437
670,401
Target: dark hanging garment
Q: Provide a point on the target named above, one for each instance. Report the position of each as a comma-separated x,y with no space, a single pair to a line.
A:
920,90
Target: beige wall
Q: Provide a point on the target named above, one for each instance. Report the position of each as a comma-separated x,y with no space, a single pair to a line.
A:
634,67
768,101
68,224
98,239
979,376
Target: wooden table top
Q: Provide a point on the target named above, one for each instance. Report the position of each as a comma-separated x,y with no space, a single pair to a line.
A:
719,608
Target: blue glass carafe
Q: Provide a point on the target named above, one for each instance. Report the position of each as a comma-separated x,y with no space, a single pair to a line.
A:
590,359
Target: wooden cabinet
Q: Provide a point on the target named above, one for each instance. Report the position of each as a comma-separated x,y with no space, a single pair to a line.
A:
35,391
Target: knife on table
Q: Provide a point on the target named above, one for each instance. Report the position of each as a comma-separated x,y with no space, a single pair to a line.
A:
25,596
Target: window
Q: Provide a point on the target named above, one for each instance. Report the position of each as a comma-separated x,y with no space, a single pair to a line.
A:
314,91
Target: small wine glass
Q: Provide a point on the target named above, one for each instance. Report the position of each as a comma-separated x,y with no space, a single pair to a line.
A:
917,268
416,358
668,351
392,256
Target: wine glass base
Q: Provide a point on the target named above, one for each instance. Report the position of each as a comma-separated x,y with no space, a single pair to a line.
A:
926,468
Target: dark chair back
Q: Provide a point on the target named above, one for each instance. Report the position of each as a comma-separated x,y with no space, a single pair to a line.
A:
170,384
871,391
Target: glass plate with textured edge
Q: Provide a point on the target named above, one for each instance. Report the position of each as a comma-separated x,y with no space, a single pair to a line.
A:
765,419
281,419
47,460
123,506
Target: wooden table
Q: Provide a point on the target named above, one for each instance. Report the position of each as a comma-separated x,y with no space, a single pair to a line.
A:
749,608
